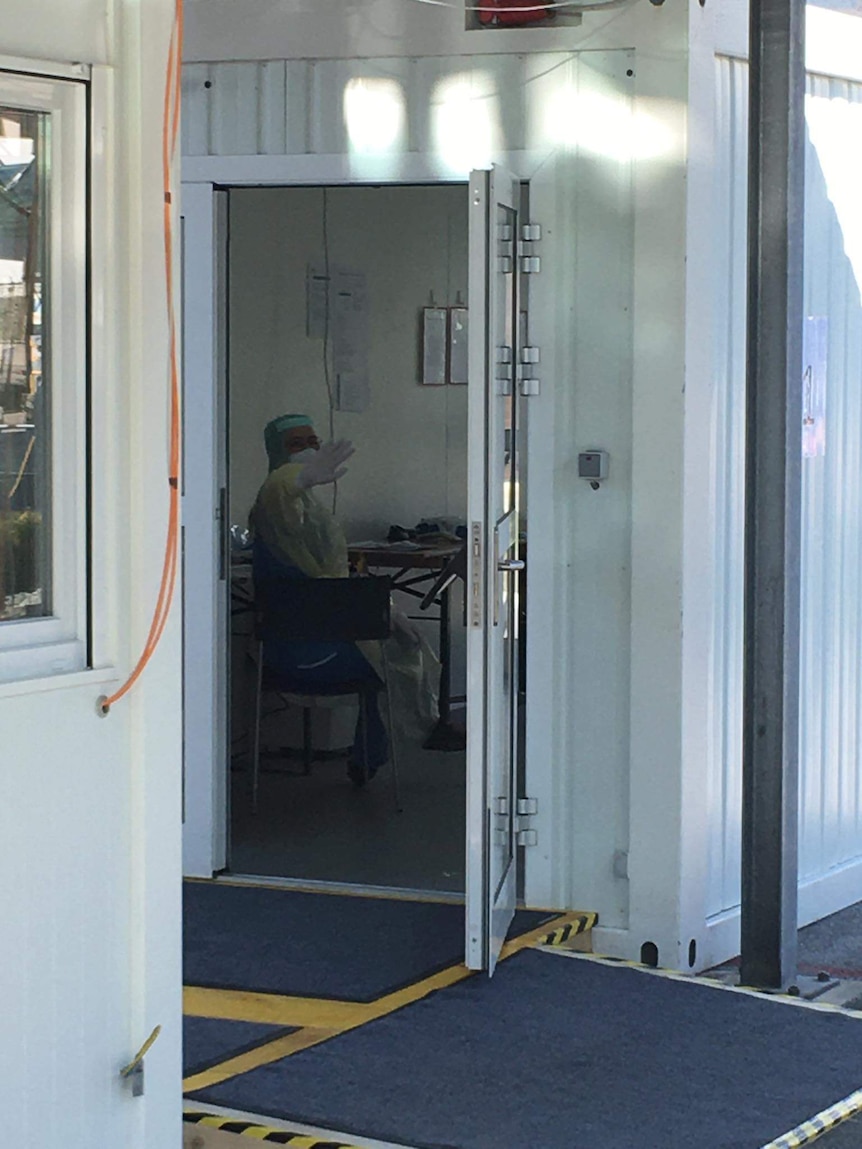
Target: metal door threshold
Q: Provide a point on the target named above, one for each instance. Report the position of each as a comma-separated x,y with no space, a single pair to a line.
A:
350,889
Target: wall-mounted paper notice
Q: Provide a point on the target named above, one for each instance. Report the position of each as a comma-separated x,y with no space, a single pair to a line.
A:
337,311
457,344
315,302
350,340
434,321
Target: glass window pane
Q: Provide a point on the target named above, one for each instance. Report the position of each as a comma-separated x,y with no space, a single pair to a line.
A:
25,503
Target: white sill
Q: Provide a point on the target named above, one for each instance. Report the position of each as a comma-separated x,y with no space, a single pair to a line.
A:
68,680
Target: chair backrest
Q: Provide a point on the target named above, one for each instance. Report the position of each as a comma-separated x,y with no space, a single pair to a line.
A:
323,609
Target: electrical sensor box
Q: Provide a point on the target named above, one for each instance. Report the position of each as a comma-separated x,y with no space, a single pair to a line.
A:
593,465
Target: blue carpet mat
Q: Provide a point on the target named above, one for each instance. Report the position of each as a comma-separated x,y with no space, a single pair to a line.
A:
561,1053
318,945
208,1041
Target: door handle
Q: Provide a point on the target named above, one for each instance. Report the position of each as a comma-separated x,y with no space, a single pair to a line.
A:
223,535
505,566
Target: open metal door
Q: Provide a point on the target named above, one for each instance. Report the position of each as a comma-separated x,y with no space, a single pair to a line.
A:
493,493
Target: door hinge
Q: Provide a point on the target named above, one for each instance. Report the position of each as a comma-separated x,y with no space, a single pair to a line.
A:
525,835
528,384
529,262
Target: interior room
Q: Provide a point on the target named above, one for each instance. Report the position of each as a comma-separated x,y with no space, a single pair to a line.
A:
347,305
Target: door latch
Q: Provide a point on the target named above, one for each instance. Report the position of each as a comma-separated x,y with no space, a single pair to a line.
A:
476,575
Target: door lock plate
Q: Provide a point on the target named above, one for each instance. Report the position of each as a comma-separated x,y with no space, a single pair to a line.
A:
476,575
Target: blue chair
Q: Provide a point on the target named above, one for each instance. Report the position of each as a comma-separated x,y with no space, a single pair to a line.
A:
326,610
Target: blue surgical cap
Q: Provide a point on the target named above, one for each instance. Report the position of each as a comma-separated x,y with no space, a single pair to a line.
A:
273,436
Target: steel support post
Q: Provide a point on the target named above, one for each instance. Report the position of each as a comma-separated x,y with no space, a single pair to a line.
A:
773,460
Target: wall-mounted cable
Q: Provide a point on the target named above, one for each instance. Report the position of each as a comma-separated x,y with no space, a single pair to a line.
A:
170,135
326,331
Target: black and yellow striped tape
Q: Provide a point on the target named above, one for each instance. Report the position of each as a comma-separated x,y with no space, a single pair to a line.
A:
264,1132
809,1130
565,933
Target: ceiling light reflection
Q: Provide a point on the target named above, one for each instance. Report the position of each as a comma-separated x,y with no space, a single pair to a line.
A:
374,115
465,122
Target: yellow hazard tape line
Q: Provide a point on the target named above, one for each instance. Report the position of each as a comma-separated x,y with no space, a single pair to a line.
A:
578,925
323,1019
264,1132
692,979
810,1130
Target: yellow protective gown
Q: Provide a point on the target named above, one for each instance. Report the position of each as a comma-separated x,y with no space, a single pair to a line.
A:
301,532
297,528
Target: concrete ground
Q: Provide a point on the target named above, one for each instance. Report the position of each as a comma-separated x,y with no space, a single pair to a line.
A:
834,945
830,971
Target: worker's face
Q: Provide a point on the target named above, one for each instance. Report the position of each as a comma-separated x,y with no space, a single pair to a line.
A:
299,439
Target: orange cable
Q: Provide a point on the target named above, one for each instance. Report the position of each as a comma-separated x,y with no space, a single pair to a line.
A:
170,134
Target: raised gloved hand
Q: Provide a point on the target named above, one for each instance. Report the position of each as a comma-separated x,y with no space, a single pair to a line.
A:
327,465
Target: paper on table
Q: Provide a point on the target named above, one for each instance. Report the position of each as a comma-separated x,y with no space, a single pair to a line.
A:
384,545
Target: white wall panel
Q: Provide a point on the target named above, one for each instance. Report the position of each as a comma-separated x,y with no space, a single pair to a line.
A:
90,809
235,118
293,107
272,128
580,309
196,104
831,692
296,89
831,813
728,455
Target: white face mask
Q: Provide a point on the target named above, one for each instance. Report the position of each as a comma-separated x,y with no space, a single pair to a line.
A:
302,456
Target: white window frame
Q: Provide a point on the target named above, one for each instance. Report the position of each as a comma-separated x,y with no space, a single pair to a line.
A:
57,644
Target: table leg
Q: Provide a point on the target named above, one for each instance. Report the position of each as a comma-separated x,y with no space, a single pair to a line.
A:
445,736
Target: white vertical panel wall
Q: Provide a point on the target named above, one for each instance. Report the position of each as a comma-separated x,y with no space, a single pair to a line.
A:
830,846
297,106
90,811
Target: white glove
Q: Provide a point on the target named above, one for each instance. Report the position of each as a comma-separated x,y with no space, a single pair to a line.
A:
327,466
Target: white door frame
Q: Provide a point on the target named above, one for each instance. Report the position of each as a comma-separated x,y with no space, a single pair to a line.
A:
205,833
204,708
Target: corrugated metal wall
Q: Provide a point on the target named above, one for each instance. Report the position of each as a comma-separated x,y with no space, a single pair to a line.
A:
831,688
295,107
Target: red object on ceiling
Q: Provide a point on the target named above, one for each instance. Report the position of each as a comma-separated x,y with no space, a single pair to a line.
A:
512,13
